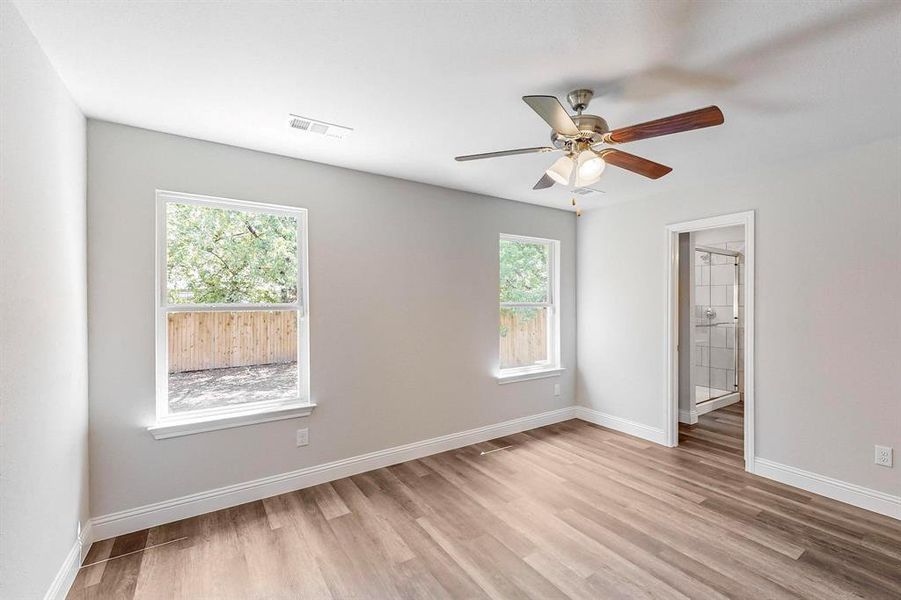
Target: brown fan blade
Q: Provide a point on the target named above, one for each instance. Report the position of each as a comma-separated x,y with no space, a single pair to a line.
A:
550,109
696,119
543,183
504,153
633,163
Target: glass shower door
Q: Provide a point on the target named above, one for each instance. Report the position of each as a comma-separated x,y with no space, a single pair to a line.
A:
702,326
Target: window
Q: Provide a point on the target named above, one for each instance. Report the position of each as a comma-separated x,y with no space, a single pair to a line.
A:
529,312
232,325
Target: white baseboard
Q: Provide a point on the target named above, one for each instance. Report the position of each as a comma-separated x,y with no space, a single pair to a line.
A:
652,434
849,493
60,585
711,405
66,574
151,515
85,539
688,416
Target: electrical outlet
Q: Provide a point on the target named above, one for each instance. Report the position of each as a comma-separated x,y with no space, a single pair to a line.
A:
303,437
556,389
884,456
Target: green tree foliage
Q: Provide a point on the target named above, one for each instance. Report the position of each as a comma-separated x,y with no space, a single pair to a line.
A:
524,272
524,277
217,255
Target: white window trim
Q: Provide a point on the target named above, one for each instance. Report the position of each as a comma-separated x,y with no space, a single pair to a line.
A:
172,425
529,375
552,367
259,414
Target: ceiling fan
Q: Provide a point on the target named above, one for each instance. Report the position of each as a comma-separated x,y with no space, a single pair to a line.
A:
581,137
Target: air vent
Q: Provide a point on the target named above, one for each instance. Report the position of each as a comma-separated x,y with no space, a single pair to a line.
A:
308,125
586,191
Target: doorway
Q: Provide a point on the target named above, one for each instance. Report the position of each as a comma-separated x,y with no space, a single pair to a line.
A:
710,325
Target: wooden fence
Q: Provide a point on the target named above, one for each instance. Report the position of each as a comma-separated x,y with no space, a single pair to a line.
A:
215,340
523,340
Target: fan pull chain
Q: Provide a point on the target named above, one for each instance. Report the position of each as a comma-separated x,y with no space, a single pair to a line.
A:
578,210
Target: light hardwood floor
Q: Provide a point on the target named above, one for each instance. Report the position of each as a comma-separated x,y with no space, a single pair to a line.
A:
568,511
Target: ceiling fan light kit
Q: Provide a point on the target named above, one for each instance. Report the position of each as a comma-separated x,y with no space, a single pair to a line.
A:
561,171
582,136
589,167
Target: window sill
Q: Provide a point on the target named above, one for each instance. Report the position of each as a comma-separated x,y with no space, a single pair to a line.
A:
189,426
528,375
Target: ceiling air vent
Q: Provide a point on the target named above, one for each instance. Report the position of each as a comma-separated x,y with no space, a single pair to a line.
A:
584,191
329,130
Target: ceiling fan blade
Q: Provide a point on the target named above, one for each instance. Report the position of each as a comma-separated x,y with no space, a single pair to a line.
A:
633,163
550,109
696,119
543,183
504,153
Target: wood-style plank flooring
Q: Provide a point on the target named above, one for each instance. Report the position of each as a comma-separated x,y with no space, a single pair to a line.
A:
568,511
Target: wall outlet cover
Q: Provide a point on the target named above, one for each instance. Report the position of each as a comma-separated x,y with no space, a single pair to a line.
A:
556,389
884,456
303,437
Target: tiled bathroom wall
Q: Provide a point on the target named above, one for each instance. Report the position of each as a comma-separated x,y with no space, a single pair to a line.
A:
714,277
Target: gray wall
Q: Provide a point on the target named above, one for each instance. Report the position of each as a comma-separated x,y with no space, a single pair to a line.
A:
43,319
403,306
828,246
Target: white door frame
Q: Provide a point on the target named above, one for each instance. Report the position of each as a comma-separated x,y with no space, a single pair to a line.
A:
671,337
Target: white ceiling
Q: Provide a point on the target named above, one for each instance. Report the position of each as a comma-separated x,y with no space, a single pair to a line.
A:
423,82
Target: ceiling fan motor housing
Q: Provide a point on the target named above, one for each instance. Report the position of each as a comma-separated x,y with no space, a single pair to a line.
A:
591,131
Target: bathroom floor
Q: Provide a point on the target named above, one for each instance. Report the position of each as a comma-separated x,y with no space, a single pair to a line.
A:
704,393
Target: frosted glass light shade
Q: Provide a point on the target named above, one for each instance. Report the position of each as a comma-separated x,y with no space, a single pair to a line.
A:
589,167
561,171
